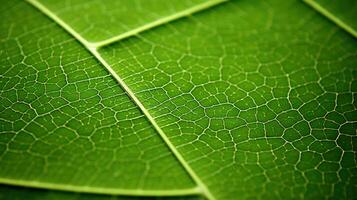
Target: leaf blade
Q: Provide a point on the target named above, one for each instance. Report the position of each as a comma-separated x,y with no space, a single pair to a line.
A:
267,104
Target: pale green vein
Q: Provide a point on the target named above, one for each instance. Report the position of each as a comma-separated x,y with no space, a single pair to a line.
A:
158,22
331,16
100,190
59,21
202,188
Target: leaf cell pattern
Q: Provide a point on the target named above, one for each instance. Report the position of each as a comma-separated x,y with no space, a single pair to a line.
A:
259,100
269,99
64,120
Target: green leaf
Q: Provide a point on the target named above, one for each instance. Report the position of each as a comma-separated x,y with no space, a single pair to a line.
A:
237,101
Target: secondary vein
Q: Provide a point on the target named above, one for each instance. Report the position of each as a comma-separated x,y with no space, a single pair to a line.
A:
100,190
158,22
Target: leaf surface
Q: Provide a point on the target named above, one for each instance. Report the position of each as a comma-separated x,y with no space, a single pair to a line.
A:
252,92
65,123
238,101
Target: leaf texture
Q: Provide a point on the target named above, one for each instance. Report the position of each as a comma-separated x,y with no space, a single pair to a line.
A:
65,123
270,99
237,101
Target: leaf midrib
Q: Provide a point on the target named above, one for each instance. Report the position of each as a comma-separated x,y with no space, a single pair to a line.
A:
331,17
93,47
